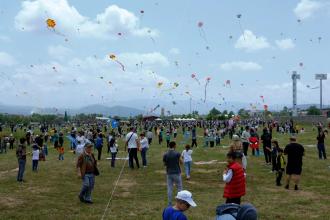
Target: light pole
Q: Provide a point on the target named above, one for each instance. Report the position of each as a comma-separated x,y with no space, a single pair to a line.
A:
294,78
321,77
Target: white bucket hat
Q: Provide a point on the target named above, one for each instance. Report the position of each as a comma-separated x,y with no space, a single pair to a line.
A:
186,196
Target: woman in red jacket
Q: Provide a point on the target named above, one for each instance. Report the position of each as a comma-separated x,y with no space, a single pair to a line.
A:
234,177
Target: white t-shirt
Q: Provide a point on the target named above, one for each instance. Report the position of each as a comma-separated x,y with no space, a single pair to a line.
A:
114,148
187,155
35,155
144,143
79,149
132,140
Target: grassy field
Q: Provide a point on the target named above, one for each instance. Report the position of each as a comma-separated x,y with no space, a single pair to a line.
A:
141,194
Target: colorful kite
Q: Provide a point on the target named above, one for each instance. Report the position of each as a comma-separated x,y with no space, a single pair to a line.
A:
195,78
114,58
200,25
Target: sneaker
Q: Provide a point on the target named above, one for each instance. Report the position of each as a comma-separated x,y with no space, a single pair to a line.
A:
81,199
287,187
88,202
296,187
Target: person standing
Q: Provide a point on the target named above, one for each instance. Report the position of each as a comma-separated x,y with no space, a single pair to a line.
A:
280,166
149,136
267,145
295,154
187,159
114,151
320,145
144,148
21,157
172,160
193,137
35,157
99,145
183,201
245,140
87,169
132,143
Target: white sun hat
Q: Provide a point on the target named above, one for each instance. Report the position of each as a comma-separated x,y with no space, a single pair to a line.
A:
186,196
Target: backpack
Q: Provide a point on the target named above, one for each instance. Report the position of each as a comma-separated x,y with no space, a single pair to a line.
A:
231,211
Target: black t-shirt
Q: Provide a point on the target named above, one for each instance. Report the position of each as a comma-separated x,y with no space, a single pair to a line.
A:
295,153
172,162
320,139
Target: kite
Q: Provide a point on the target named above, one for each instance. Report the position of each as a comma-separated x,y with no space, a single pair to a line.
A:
51,23
206,84
194,77
159,84
227,83
301,64
173,102
319,38
240,25
200,25
114,58
266,107
262,98
54,68
155,108
150,35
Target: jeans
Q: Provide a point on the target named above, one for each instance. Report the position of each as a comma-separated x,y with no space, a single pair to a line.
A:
144,156
46,150
21,168
35,165
113,159
87,187
321,149
61,156
255,150
187,168
132,154
171,179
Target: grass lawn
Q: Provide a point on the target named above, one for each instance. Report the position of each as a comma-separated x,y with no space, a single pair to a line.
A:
52,193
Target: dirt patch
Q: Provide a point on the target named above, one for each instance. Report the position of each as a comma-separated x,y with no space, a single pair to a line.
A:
37,190
206,170
125,194
126,183
160,171
10,202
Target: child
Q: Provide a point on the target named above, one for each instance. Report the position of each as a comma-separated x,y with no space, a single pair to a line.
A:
280,166
35,157
234,178
61,153
273,152
187,159
168,138
113,151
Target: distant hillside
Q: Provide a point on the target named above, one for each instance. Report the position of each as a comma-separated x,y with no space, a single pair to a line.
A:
120,111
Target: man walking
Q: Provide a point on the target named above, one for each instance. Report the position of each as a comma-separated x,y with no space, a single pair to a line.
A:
132,143
172,160
245,140
295,153
194,137
21,157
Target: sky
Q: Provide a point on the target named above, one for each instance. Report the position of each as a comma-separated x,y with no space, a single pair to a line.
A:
157,46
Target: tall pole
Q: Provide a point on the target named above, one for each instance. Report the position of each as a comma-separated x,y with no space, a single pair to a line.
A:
294,77
320,94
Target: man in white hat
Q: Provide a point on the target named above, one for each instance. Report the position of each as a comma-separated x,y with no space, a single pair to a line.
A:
183,202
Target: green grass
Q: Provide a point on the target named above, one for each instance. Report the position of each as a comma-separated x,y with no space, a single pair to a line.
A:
141,194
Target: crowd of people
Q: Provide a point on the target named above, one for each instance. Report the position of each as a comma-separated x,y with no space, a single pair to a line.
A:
138,136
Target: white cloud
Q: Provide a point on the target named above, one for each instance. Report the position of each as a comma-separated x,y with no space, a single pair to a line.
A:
114,20
147,59
240,65
174,51
306,8
285,44
250,42
6,59
59,52
5,39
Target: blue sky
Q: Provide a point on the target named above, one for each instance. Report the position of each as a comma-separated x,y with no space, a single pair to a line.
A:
70,66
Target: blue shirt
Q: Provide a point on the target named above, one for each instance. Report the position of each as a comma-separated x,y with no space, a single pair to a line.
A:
170,213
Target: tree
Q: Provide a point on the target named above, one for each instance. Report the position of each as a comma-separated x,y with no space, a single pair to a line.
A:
285,111
213,114
313,110
243,113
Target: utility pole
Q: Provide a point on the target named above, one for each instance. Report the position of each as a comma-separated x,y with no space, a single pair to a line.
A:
294,77
321,77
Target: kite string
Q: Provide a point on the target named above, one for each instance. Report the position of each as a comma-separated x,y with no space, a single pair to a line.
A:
239,22
114,188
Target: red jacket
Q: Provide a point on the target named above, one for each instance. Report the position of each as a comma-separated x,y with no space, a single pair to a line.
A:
254,142
236,187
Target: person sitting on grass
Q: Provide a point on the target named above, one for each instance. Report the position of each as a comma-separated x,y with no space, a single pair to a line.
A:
183,201
234,178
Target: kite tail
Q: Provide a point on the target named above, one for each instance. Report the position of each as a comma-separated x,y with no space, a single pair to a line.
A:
122,65
240,26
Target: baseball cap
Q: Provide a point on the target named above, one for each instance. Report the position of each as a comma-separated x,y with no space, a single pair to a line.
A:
186,196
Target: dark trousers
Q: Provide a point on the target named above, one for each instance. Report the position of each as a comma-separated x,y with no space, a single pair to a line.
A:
273,162
234,200
132,154
211,143
255,151
21,169
279,175
35,165
113,159
167,143
11,146
149,140
268,156
193,143
99,153
245,147
321,149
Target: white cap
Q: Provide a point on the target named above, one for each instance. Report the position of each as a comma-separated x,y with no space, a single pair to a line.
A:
186,196
236,137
